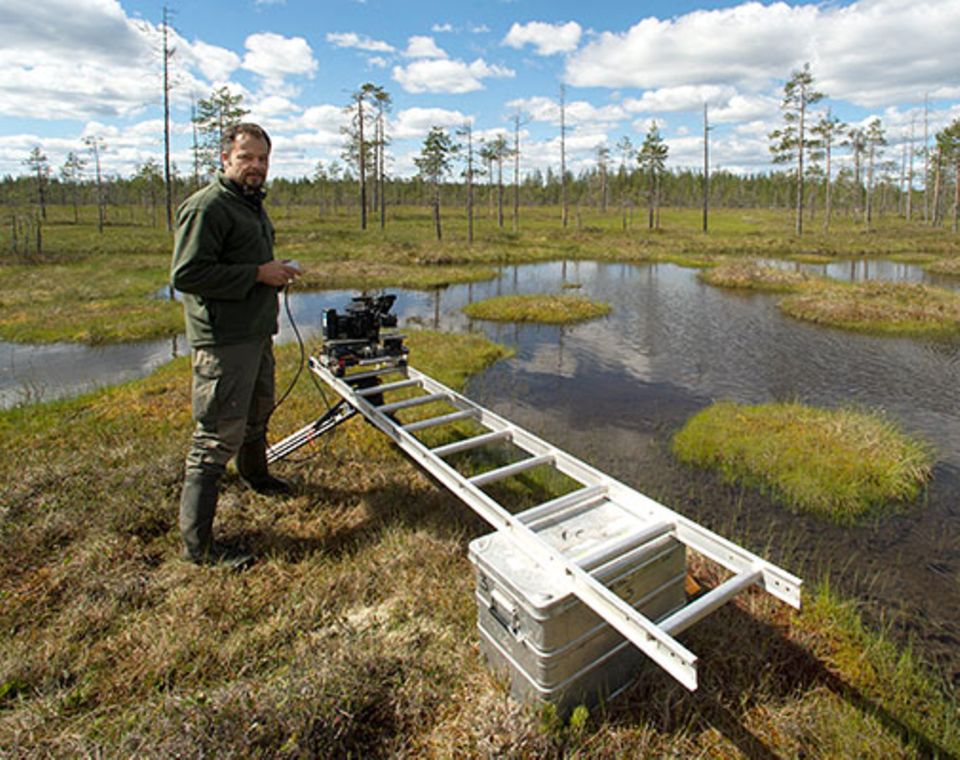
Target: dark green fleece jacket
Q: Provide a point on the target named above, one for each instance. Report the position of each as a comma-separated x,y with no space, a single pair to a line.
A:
222,236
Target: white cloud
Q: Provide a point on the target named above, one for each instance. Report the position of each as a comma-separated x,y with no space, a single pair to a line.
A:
547,39
215,63
745,108
875,52
358,41
274,57
447,76
64,59
414,123
681,98
870,52
378,61
423,47
273,106
576,113
441,28
744,45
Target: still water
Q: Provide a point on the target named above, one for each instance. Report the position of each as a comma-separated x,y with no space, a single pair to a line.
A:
613,390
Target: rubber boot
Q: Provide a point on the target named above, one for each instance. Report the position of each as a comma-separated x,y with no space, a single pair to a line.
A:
252,466
198,504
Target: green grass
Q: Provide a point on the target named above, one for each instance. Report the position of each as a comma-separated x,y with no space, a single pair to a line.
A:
543,308
85,279
355,633
838,464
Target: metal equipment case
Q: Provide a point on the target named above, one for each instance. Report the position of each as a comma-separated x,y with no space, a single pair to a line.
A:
550,645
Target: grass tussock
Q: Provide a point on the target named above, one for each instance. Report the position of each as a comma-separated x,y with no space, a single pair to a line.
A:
839,464
949,266
750,275
892,308
543,308
881,307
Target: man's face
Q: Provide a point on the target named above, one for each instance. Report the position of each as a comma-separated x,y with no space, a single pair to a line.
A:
247,162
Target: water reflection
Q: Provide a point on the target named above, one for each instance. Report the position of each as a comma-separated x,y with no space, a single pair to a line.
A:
32,373
864,269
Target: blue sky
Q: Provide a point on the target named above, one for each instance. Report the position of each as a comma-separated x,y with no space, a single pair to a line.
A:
80,67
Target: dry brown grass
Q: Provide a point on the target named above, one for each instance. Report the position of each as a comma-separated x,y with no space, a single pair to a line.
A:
748,274
893,308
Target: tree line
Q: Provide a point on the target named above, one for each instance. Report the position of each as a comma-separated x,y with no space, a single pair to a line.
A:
455,169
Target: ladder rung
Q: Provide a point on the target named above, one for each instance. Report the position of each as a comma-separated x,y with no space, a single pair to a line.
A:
511,469
443,419
375,389
682,619
469,443
609,551
359,376
629,561
575,499
415,401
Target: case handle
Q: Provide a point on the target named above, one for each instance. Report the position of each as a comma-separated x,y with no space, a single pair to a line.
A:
505,612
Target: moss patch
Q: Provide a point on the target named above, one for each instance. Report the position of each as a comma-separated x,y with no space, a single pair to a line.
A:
549,309
894,308
751,275
839,464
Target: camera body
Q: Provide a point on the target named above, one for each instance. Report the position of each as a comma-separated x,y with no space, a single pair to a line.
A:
354,336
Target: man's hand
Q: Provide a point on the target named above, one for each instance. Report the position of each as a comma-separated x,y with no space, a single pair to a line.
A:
278,274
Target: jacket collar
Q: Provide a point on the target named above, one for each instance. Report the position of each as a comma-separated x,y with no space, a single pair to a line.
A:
254,199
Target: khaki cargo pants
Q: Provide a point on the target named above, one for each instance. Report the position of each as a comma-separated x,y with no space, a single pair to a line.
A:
233,393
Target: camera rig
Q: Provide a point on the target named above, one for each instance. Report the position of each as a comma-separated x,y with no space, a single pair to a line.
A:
354,336
581,541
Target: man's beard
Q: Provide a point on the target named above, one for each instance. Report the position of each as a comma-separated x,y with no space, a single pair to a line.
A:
252,182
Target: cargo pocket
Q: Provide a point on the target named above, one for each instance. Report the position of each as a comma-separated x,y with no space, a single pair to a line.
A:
206,378
215,391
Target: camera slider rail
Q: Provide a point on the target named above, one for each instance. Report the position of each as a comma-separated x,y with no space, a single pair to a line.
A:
630,520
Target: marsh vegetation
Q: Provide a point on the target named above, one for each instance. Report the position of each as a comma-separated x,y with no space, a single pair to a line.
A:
354,633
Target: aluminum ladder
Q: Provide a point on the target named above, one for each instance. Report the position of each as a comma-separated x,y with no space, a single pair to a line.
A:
641,519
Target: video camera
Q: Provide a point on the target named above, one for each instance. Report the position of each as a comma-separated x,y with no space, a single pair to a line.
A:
353,337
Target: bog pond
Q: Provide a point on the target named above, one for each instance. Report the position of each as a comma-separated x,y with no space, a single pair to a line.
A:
613,390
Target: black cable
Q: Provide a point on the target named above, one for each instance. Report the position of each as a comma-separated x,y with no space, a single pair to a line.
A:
303,357
296,377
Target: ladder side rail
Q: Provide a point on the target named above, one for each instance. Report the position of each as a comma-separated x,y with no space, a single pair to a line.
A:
668,653
776,580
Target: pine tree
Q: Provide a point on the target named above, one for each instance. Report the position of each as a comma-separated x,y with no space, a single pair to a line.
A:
434,163
948,151
213,116
652,158
789,144
827,130
37,161
875,140
70,174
